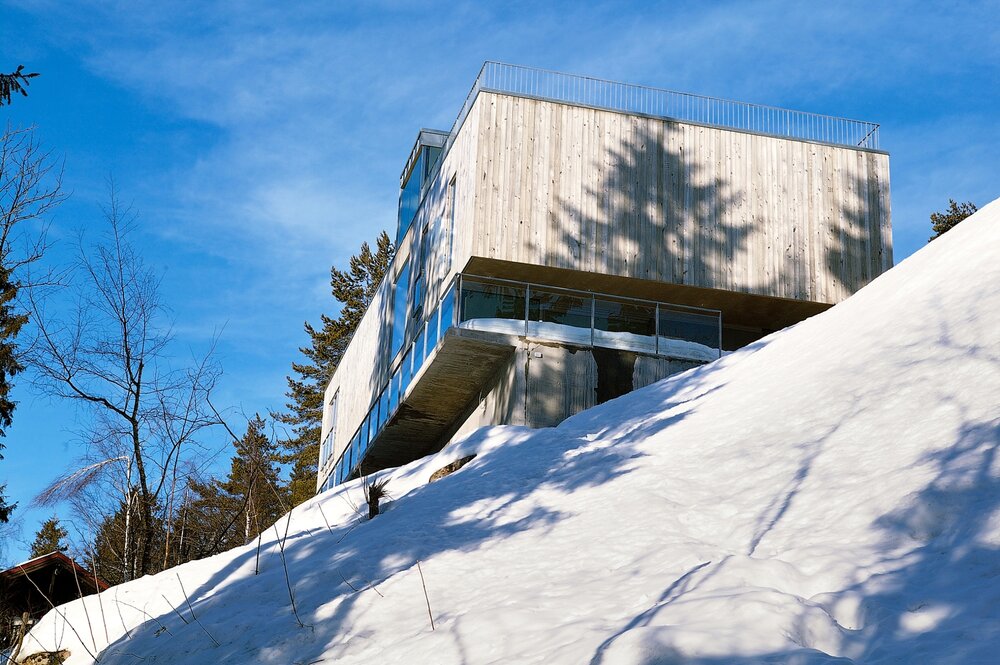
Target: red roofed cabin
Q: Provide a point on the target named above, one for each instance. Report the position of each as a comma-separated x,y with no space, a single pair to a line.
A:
30,586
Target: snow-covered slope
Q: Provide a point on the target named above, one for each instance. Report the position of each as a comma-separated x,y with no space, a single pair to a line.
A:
829,495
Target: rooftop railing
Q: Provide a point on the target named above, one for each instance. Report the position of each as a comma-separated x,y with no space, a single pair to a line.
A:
682,106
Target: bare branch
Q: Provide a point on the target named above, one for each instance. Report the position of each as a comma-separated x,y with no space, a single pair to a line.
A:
72,483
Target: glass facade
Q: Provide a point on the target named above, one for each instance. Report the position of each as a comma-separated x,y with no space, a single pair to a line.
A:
412,192
399,307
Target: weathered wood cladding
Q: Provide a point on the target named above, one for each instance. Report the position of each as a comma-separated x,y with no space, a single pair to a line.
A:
599,191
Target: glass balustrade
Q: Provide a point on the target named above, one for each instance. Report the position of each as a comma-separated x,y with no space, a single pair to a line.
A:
560,316
683,331
492,307
625,325
588,319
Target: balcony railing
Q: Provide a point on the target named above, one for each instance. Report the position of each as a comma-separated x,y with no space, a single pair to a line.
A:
630,98
584,318
580,318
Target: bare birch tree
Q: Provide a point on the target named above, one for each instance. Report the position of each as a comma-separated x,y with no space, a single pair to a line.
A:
108,352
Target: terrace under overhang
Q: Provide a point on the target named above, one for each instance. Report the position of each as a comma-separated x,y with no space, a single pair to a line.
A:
745,316
450,379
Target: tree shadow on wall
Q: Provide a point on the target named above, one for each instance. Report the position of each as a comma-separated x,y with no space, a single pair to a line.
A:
858,252
673,205
656,213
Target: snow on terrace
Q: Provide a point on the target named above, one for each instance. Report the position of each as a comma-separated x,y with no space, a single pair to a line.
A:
544,330
829,495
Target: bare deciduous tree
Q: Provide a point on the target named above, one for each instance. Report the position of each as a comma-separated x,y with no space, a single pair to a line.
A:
30,187
107,352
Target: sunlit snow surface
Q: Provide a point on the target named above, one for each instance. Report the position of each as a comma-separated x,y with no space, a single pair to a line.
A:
829,495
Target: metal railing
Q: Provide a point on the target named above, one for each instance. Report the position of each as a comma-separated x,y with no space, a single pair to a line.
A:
536,311
587,318
630,98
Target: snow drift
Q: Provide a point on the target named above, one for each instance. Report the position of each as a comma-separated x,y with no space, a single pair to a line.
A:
830,494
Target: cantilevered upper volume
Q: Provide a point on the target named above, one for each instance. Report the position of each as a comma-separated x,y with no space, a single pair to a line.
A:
571,239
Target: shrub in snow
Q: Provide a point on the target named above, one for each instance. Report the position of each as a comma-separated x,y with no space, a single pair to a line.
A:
375,491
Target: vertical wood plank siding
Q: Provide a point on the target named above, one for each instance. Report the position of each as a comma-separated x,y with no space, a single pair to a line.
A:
655,199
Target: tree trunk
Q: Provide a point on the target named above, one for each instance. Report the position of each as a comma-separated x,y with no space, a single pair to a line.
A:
146,506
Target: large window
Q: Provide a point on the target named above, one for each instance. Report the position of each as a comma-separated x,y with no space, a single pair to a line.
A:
409,201
450,212
417,306
411,194
400,292
331,431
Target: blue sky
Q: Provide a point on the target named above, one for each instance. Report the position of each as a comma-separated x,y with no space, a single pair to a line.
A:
261,144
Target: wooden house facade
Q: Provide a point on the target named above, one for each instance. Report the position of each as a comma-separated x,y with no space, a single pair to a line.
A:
571,239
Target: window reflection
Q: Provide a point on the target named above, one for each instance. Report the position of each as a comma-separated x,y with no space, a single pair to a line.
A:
400,291
410,195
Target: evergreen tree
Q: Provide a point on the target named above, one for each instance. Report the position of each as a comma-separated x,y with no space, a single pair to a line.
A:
206,522
254,483
942,222
15,82
51,537
115,551
5,508
223,514
11,323
353,289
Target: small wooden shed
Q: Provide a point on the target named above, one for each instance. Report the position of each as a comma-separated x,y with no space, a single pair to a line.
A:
34,586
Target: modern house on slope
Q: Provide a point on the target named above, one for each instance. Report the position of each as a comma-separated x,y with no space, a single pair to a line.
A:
570,240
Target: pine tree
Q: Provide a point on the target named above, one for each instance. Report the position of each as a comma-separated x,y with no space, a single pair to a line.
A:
223,514
5,508
51,537
942,222
115,553
15,82
253,481
206,522
11,323
353,289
